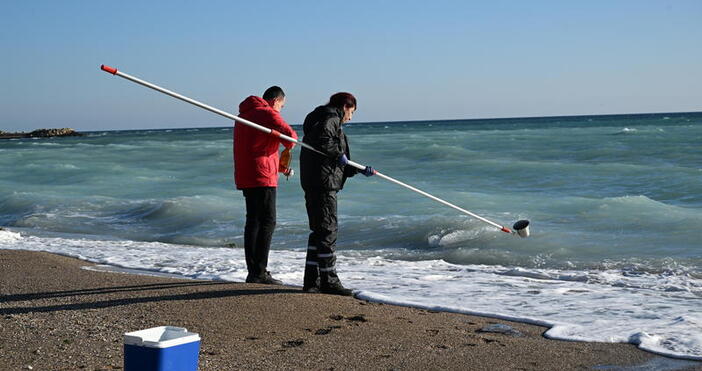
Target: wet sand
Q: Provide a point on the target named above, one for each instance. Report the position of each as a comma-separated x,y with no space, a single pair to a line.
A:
56,315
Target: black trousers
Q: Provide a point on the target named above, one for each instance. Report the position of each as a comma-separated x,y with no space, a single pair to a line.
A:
260,223
320,263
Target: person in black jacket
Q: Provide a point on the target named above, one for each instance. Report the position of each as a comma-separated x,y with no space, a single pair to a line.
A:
322,177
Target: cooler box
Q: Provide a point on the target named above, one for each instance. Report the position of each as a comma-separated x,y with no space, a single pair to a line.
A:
164,348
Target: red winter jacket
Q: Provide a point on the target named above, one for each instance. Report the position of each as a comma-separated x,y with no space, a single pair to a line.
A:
255,152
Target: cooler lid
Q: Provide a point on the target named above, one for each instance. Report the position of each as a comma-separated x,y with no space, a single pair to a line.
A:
160,337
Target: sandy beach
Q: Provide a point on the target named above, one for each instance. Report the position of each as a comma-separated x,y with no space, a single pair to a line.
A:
56,315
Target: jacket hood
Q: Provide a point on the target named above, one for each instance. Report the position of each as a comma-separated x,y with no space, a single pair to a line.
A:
328,111
321,113
251,103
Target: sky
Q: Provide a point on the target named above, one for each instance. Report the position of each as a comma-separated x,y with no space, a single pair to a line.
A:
403,60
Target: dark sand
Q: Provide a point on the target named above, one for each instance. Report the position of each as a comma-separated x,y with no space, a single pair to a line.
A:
56,316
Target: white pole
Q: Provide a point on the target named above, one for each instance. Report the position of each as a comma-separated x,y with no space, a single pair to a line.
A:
115,72
254,125
361,167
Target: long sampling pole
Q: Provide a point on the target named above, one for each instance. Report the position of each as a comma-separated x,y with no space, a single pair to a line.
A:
254,125
275,133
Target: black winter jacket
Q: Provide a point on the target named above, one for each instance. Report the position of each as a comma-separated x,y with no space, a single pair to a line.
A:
322,130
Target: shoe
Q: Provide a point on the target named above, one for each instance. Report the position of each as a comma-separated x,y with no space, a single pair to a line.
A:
336,289
310,285
265,279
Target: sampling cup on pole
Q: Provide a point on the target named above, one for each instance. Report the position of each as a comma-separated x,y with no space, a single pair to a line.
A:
521,227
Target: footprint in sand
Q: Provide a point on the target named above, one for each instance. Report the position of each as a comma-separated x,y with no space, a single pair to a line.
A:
323,331
293,343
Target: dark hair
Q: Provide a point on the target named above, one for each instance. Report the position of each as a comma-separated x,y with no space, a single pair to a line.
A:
273,92
342,100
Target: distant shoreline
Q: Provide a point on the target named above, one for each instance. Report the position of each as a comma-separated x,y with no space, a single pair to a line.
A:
41,133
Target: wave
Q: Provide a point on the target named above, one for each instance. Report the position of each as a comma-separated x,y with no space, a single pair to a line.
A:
192,220
573,189
626,131
46,144
170,215
9,237
626,232
572,232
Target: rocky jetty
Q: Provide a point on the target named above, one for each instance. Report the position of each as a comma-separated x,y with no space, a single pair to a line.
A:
41,133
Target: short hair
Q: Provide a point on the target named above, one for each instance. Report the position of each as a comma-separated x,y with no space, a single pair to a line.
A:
273,92
342,100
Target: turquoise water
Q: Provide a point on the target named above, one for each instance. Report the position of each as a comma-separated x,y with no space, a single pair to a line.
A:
615,204
599,190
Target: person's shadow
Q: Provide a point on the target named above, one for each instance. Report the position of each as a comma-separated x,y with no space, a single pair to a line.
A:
127,300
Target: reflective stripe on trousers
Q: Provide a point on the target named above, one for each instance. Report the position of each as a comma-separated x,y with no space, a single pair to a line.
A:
321,212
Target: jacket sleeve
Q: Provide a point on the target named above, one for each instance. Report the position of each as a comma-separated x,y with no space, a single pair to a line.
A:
282,127
329,138
350,171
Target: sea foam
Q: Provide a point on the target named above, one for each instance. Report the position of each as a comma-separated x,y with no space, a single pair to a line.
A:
592,306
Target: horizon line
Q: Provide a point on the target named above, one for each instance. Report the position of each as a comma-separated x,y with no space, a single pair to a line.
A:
423,120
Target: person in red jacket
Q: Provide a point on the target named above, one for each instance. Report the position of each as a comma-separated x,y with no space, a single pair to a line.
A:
256,167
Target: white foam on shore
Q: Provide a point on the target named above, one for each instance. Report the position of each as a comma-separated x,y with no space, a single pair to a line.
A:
659,313
8,237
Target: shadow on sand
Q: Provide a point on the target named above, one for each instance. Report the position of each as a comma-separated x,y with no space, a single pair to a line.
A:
132,300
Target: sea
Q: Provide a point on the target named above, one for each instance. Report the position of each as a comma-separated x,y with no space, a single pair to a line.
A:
614,204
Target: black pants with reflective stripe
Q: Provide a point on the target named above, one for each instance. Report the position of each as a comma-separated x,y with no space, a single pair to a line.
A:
260,223
321,260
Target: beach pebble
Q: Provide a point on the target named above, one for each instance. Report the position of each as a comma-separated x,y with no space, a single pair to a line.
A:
500,328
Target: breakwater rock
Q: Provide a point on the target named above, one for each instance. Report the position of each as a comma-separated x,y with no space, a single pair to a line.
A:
41,133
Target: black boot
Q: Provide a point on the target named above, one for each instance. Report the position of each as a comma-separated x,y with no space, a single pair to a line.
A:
264,278
311,289
336,289
311,286
311,282
330,284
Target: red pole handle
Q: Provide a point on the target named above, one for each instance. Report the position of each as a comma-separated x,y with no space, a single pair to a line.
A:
109,69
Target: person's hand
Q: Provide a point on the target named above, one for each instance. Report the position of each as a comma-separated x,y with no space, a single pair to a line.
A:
343,160
285,159
368,171
284,164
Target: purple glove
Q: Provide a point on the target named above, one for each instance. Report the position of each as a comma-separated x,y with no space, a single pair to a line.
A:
343,160
368,171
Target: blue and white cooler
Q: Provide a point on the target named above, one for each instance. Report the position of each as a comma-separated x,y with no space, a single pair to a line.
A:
164,348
